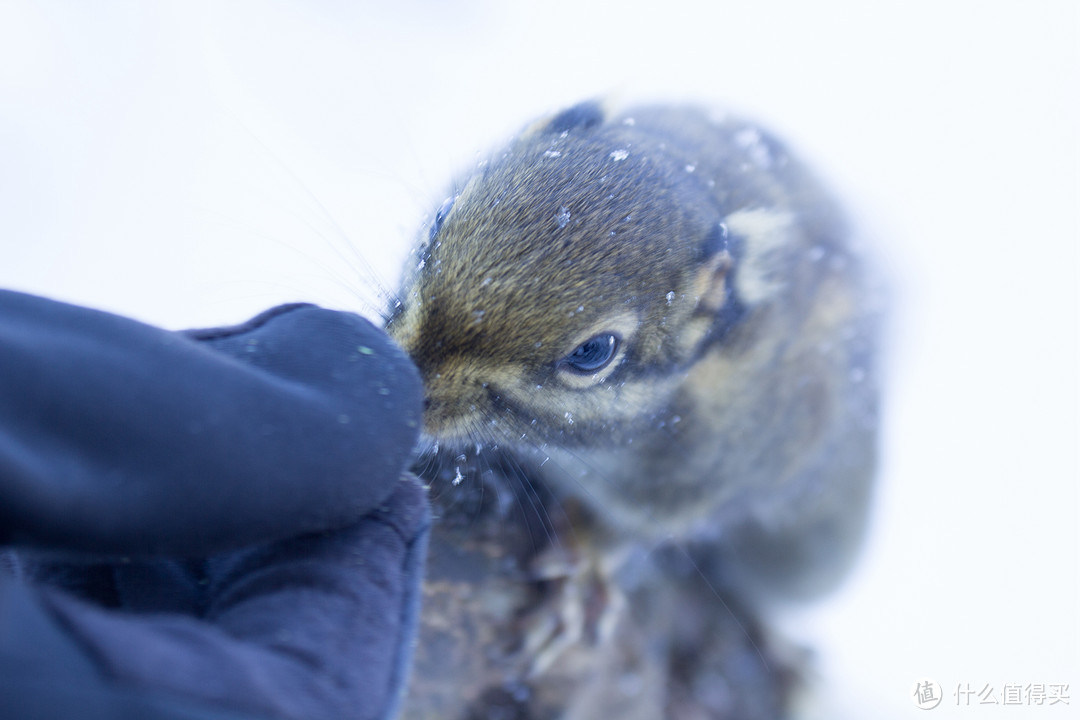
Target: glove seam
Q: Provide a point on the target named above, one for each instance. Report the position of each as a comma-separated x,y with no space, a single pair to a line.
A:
216,333
408,619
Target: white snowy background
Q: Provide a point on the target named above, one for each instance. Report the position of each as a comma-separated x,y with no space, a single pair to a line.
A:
192,163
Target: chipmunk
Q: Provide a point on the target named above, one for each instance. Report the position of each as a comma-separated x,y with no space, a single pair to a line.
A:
665,307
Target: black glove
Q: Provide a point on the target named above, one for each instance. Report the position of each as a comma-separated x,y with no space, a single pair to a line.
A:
209,524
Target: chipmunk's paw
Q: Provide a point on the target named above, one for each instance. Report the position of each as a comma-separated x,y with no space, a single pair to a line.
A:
580,605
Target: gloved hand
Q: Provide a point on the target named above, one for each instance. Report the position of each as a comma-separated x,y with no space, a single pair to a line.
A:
211,524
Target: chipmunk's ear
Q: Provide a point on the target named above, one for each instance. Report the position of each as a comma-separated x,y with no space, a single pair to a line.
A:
711,288
583,116
763,240
712,284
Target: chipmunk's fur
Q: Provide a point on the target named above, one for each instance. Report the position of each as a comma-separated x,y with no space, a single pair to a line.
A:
740,396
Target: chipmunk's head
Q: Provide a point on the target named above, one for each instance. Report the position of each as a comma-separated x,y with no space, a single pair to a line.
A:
567,283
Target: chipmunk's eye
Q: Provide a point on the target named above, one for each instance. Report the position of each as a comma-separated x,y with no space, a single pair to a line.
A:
592,355
440,216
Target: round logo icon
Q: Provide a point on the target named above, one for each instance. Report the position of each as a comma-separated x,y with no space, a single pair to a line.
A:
926,694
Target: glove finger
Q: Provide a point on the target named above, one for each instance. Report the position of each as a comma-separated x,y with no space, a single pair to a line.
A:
123,438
